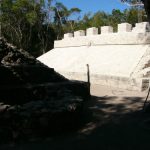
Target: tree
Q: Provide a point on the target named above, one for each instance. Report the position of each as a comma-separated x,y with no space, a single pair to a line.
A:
132,16
71,23
99,19
116,17
24,21
147,8
139,2
86,22
62,19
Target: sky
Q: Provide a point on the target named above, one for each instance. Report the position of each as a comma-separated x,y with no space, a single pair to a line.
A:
94,5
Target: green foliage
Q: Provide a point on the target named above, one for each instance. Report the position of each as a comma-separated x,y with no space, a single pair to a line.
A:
31,17
131,16
23,24
101,18
62,19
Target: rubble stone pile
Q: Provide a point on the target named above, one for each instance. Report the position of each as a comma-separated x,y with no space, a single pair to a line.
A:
21,65
34,99
10,55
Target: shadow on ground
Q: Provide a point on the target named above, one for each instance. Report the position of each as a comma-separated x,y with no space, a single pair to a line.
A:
107,123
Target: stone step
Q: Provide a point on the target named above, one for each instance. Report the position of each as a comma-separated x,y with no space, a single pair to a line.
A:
25,93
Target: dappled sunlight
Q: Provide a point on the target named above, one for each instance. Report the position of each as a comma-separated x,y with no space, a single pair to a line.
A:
113,111
117,104
89,127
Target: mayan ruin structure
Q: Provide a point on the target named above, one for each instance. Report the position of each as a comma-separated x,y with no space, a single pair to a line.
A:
118,59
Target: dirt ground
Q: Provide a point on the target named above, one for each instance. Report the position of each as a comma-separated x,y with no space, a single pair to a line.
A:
111,120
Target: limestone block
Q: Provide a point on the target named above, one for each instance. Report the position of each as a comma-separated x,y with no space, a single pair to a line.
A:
79,33
106,29
92,31
141,27
124,27
68,35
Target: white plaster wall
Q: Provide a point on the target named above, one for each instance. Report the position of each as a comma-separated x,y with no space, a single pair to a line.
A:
115,60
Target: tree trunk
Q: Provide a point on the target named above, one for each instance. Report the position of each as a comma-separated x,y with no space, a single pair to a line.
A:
147,8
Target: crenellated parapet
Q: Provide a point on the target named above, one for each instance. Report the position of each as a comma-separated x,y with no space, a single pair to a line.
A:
126,34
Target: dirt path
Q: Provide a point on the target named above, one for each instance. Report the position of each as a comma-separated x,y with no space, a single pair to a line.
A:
112,120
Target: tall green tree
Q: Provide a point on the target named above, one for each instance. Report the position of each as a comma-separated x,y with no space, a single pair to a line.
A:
99,19
62,21
138,2
115,18
86,22
147,8
24,24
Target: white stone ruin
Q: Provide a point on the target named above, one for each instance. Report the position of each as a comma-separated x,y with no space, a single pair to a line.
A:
124,27
119,59
92,31
106,29
79,33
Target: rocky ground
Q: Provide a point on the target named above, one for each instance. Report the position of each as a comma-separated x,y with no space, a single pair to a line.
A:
112,120
35,101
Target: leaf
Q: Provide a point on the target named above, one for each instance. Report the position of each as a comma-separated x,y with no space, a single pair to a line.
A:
31,17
